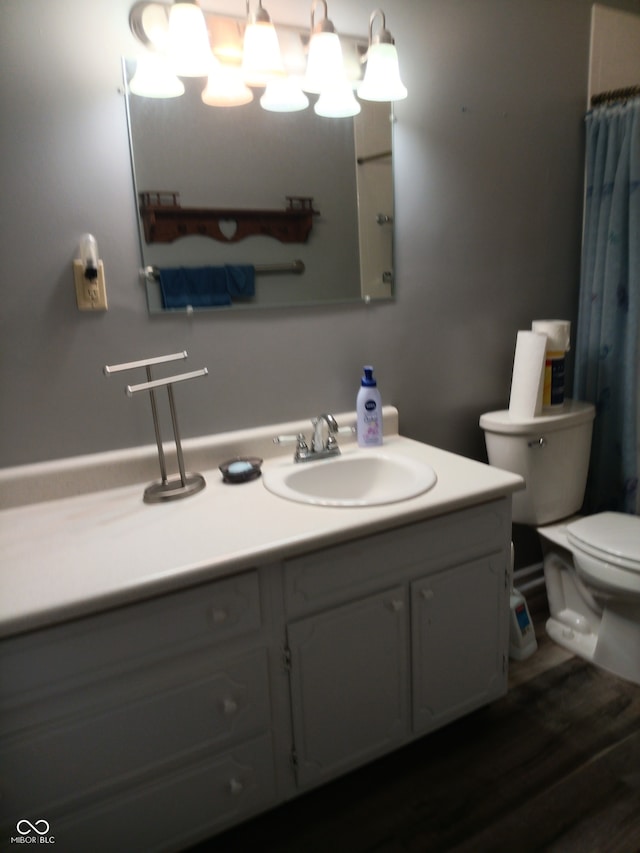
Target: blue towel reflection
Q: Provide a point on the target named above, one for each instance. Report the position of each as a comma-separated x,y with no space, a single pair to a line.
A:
206,287
241,281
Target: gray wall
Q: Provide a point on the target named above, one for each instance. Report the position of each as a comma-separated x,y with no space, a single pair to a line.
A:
489,192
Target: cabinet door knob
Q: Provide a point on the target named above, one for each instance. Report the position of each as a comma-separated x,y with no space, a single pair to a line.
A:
396,604
220,615
236,787
427,594
229,706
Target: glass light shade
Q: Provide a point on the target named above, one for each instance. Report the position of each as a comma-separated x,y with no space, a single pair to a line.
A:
325,63
225,87
189,48
154,23
154,78
337,101
284,96
382,78
261,58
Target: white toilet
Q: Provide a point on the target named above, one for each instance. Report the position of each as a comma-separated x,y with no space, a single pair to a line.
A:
591,564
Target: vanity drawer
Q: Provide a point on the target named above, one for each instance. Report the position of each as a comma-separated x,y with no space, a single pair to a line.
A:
323,577
67,656
174,811
188,710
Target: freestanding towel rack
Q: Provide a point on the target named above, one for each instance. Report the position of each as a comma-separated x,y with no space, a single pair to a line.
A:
166,489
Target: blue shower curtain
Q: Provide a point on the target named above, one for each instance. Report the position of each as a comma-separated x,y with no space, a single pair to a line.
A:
607,366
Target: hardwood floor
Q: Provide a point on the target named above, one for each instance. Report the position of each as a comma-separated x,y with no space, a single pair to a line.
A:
553,766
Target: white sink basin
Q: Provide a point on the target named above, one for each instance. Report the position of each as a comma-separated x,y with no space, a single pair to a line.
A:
361,478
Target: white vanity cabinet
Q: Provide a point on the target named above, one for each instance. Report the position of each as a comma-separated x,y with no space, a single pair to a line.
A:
157,689
160,723
394,635
140,727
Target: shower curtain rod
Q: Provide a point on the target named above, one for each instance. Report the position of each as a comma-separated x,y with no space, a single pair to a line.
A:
611,97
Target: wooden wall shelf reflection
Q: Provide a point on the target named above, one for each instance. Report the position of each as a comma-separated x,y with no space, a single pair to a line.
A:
164,220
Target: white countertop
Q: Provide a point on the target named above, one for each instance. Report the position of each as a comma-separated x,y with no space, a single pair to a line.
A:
84,553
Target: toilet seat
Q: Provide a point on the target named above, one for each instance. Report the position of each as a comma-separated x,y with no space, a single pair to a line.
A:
611,537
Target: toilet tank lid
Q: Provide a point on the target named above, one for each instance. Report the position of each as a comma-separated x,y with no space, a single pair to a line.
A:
571,413
608,533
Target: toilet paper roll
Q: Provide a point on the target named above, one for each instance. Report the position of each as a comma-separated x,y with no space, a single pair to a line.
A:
528,375
558,333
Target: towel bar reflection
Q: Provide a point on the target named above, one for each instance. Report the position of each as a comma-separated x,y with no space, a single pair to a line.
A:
166,489
296,267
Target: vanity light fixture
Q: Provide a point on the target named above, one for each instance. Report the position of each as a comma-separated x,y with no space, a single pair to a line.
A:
337,101
261,57
238,56
382,78
154,78
188,40
324,61
326,75
284,96
225,86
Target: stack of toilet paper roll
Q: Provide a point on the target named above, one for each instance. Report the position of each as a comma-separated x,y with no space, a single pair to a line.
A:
538,352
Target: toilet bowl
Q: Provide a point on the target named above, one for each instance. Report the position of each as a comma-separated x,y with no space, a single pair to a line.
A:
592,576
606,549
591,563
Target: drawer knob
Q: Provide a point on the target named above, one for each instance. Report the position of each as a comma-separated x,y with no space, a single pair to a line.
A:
427,594
220,615
236,787
396,604
229,706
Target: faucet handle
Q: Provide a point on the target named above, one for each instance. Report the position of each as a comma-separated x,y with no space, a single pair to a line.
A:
302,448
332,441
289,439
347,430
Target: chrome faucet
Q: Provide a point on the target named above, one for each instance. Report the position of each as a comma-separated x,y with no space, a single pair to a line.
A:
318,444
320,448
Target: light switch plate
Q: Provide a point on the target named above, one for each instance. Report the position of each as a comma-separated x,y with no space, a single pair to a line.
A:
90,295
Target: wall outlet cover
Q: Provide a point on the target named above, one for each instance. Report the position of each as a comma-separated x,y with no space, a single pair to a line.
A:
90,295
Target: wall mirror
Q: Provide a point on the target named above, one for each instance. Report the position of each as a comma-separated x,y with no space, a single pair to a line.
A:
335,175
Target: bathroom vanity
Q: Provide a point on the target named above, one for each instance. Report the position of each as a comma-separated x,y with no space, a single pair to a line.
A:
171,670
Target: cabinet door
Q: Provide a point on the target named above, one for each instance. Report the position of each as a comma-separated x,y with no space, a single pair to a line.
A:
349,684
460,621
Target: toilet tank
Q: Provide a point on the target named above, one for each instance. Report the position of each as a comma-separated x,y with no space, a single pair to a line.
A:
550,452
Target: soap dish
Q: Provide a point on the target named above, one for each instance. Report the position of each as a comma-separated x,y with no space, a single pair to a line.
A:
241,469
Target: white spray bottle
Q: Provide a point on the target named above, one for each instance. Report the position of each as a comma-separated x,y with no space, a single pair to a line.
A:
369,411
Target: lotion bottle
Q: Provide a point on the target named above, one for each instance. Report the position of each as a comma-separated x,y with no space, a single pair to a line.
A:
369,411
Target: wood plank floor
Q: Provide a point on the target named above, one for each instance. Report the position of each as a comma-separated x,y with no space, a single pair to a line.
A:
554,766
